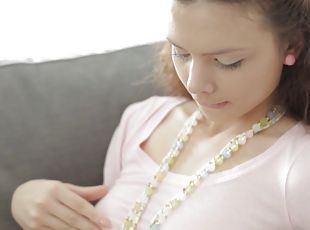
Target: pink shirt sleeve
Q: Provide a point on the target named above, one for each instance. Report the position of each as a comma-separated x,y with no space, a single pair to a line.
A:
298,191
112,165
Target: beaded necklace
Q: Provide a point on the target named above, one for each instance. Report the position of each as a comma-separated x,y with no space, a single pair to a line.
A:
232,146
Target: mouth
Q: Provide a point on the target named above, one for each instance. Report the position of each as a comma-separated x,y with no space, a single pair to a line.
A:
215,106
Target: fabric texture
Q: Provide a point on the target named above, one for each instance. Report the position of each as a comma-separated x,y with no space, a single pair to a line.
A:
270,191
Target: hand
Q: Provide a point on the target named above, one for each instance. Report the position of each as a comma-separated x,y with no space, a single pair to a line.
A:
47,204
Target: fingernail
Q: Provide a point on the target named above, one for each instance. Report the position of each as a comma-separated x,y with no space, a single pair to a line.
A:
105,223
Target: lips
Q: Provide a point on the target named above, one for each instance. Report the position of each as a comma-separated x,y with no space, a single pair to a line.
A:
215,105
218,105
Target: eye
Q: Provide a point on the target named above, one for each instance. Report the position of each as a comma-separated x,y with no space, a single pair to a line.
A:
232,66
182,57
179,55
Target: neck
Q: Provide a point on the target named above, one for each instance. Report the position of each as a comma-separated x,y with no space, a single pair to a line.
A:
240,124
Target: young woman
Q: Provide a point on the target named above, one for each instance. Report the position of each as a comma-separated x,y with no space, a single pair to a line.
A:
227,150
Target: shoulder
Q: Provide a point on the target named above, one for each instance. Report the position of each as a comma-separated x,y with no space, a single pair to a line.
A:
144,109
149,111
298,183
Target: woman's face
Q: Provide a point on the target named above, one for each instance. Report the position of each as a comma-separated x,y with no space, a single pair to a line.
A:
224,53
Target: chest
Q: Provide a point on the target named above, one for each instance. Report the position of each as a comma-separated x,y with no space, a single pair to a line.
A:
252,202
198,151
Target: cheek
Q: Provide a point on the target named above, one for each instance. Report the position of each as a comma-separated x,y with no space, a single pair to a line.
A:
256,83
265,73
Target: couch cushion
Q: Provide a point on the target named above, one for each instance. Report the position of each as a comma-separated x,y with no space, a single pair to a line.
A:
57,117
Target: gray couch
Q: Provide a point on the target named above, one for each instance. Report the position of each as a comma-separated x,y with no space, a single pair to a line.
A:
57,117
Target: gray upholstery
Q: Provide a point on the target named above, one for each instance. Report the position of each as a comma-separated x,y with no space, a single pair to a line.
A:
57,117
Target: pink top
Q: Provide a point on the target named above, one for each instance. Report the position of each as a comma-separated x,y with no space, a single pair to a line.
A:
268,192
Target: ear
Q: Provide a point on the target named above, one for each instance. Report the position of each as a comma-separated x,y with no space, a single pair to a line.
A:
295,45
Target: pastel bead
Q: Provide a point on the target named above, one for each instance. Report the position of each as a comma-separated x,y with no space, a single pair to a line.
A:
226,153
138,207
128,225
256,128
211,166
264,122
159,175
185,138
234,147
249,134
149,190
242,140
171,161
219,160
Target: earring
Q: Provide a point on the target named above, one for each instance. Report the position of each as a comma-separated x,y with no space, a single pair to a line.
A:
290,60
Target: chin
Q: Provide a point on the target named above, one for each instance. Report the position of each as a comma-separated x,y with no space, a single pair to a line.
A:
215,115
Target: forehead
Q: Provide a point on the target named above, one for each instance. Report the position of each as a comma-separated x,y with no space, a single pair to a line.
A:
205,23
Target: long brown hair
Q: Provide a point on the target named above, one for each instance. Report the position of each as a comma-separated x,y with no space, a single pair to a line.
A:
290,20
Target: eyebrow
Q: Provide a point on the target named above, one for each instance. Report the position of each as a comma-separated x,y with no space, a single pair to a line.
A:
223,51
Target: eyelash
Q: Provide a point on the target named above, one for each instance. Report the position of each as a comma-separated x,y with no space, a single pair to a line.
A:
232,66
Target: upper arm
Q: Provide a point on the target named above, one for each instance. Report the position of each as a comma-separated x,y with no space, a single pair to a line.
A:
134,114
298,192
112,165
113,160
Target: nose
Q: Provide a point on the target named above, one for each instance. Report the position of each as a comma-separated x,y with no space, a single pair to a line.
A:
199,79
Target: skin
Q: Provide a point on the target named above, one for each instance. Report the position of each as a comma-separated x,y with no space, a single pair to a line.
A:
197,31
48,204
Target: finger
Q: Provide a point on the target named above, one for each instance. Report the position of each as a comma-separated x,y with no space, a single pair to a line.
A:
82,207
48,228
71,217
43,228
54,222
90,193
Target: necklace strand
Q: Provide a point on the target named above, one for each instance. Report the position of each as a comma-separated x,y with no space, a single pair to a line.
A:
232,146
